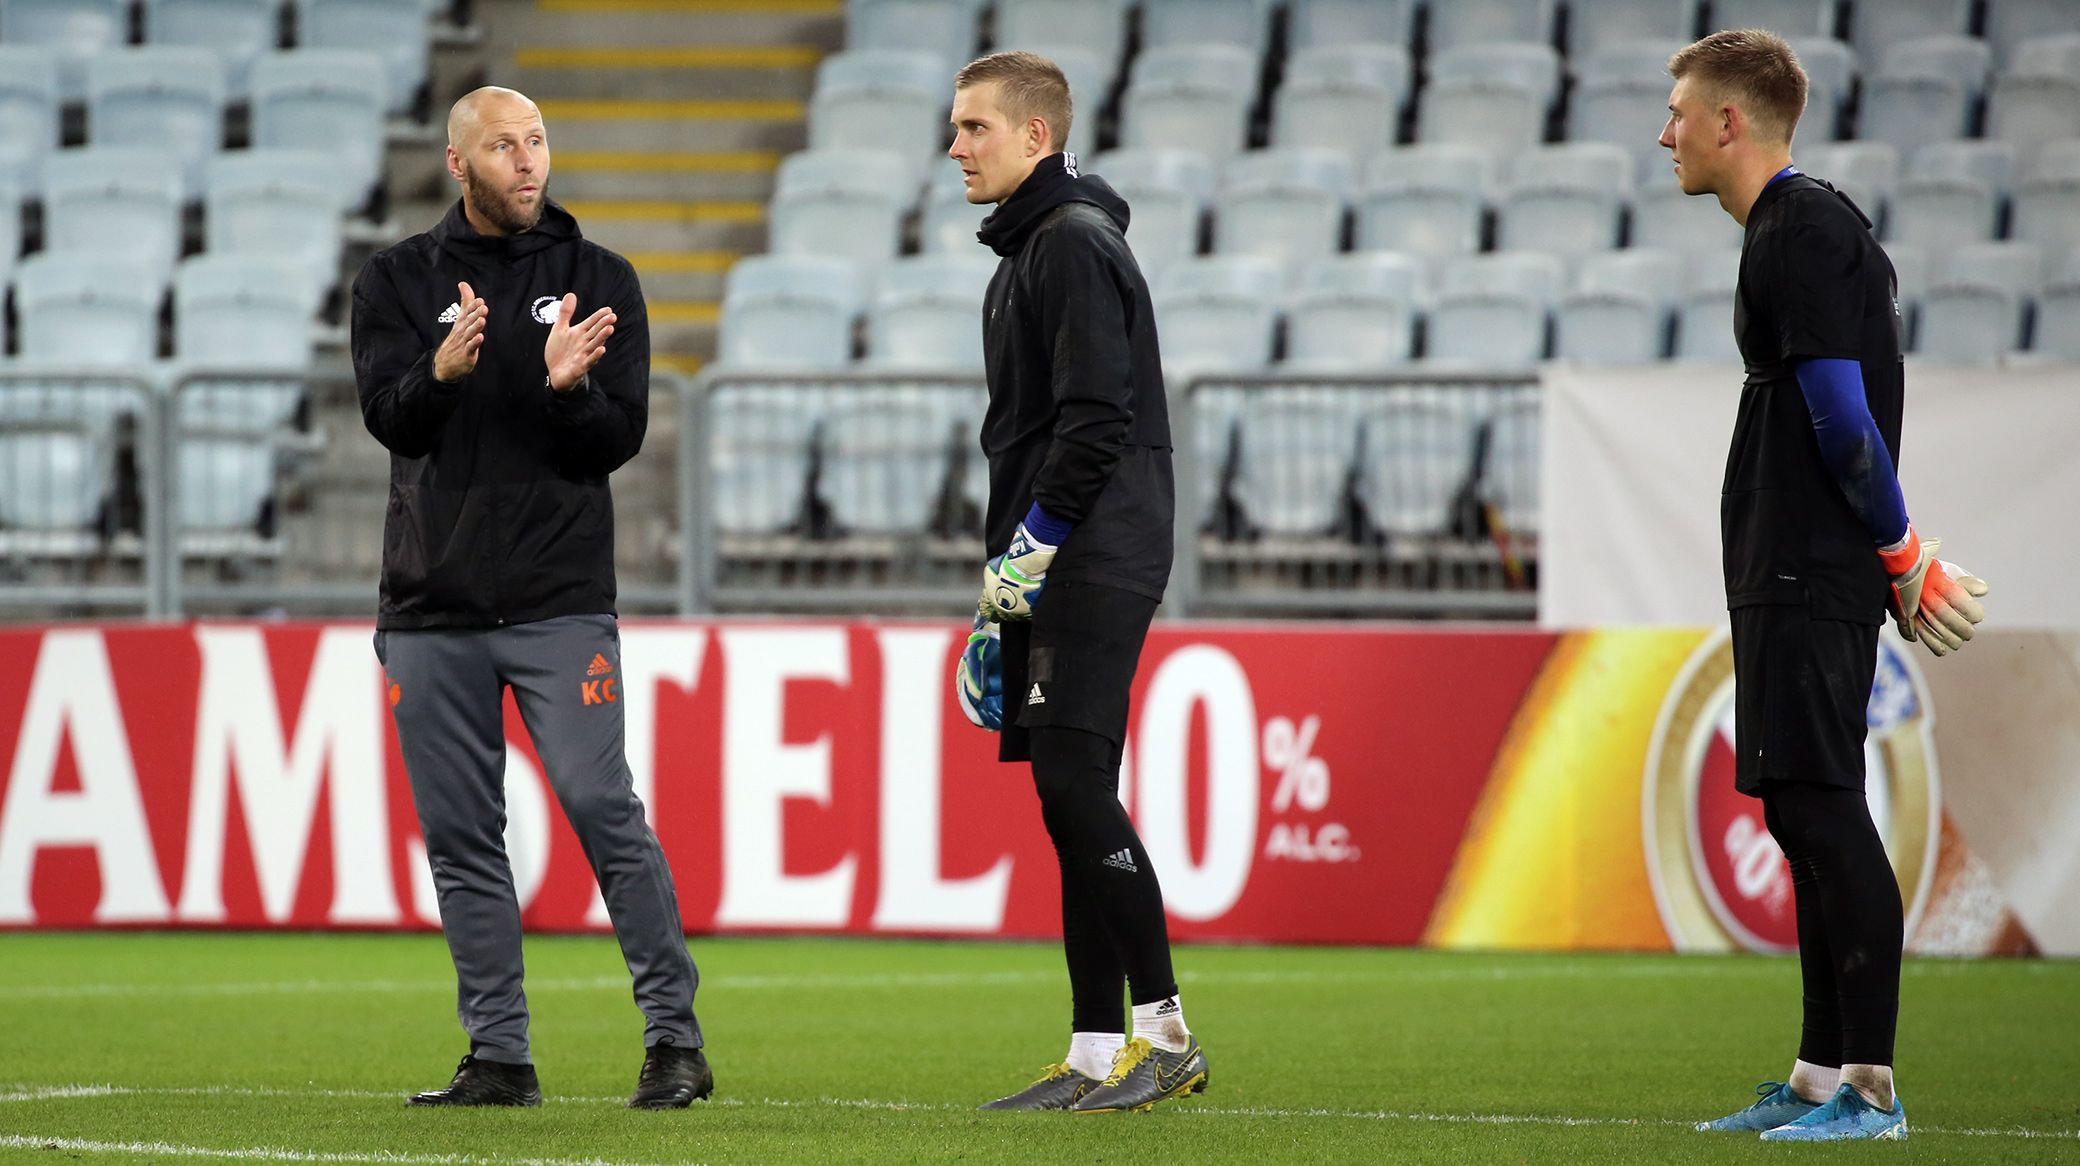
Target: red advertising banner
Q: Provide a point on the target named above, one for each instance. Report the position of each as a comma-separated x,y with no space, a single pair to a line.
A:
1305,785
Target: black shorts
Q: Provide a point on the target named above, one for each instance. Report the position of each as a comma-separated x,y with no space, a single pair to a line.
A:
1073,664
1801,688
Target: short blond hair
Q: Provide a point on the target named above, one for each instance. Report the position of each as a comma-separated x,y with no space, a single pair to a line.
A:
1028,86
1757,70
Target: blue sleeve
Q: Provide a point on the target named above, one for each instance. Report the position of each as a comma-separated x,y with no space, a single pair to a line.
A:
1852,447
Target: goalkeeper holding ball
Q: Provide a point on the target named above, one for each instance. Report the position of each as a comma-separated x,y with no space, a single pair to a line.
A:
1079,523
1816,546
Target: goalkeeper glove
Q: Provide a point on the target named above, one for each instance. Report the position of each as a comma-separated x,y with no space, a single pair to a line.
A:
978,682
1933,601
1014,579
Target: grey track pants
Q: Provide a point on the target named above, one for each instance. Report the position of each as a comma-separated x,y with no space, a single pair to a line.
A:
447,701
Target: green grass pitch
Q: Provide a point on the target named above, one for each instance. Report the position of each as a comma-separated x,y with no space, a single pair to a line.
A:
301,1048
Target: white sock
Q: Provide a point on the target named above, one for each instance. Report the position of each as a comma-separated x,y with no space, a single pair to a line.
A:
1091,1053
1162,1025
1873,1081
1815,1083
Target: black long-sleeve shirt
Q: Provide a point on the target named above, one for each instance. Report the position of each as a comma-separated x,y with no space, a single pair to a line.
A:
1077,419
499,508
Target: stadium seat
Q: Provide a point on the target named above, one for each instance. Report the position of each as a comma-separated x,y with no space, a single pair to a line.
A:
1704,313
2051,56
884,455
1509,473
278,203
1963,59
1349,329
10,238
1365,273
1417,450
237,31
2058,313
29,108
394,30
1099,25
1169,190
2028,110
2015,269
1298,452
1318,23
943,28
1486,329
2012,24
1592,165
1527,66
789,311
2059,159
1831,70
1628,114
843,203
69,31
1432,217
1194,64
927,313
889,99
1942,213
1346,98
169,99
1638,58
1664,218
2047,212
1466,167
1593,28
1906,110
1090,86
1910,269
1644,271
333,97
115,199
1558,216
1540,277
1243,23
1865,171
1877,27
950,221
53,478
1962,322
98,308
1499,117
1212,118
1783,17
1468,22
1609,328
240,312
1286,205
1216,314
220,485
758,458
1994,164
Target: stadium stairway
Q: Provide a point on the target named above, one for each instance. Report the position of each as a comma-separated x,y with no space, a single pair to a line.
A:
668,119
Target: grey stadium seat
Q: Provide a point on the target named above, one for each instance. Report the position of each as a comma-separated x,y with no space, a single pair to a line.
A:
1557,217
1783,17
10,237
2051,56
1345,98
758,458
1417,450
1609,328
69,31
394,30
1315,23
1596,165
1243,23
1638,58
843,203
1486,329
886,99
1867,172
1194,64
279,203
1100,25
1509,476
789,311
2015,269
1876,27
1704,314
1466,22
1594,27
1430,217
169,99
1993,163
1212,118
1541,277
2058,313
233,312
1299,448
1531,66
1349,329
2011,24
1216,315
53,480
1962,322
1656,274
2059,159
943,28
1906,110
884,457
330,96
1366,273
927,313
1942,213
1287,205
116,199
1503,118
1831,69
1910,270
1628,114
1964,59
2047,211
96,309
2029,110
1665,218
237,31
1169,190
29,108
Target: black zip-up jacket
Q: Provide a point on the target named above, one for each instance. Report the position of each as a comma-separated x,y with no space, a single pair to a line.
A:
499,509
1077,418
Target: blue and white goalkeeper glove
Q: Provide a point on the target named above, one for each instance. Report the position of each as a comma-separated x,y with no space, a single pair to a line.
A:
978,682
1014,579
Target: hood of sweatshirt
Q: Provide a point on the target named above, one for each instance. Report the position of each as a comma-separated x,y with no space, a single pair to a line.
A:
456,236
1054,181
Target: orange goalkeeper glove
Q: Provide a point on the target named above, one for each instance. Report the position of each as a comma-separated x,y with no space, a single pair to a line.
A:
1933,601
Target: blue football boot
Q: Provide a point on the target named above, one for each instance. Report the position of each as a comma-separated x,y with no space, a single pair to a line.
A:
1846,1117
1775,1105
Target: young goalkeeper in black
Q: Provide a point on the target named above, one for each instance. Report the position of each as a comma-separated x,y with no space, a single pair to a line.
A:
1079,523
1816,547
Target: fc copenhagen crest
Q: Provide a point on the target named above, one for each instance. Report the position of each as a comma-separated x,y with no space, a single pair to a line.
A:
1719,879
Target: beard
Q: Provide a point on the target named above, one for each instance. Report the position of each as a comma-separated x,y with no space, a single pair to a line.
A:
502,209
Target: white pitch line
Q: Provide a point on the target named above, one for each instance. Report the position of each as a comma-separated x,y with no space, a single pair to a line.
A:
67,1092
276,1154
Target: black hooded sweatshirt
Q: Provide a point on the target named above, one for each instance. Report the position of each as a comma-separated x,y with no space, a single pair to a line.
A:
1077,418
499,510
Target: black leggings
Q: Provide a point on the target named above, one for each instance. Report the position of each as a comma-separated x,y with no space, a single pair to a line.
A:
1850,921
1113,930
